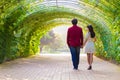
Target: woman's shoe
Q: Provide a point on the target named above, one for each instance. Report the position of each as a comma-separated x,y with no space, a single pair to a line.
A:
90,67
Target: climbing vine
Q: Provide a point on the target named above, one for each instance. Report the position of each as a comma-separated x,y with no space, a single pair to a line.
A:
23,23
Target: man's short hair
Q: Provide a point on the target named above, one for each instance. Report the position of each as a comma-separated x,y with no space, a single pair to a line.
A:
74,21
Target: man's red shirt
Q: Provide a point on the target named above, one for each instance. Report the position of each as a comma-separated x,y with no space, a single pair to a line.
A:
75,36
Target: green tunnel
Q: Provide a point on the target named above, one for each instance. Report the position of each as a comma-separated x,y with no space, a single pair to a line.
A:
24,22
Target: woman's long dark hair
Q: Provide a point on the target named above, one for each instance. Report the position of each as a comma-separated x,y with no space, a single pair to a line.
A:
92,33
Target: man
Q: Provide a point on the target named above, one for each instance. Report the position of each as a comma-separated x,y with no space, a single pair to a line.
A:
75,42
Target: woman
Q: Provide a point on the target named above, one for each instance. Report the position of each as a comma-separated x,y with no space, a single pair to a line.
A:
89,45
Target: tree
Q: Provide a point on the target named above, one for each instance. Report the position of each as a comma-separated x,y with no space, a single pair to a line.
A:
51,41
47,39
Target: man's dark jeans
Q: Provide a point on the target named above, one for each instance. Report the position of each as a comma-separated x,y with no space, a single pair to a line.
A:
75,52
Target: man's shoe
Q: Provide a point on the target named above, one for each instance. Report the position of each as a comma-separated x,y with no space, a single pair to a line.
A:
75,68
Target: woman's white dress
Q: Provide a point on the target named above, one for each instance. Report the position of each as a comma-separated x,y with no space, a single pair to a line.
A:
89,46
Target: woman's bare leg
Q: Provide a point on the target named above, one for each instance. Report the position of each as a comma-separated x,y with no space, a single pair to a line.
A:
88,58
91,59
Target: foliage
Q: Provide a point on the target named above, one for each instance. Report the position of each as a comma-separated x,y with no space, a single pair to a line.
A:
51,41
112,10
47,39
24,22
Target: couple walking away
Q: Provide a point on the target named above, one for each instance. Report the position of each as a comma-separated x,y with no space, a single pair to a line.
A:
75,41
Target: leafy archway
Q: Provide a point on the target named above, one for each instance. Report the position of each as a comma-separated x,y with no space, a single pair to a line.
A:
24,25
